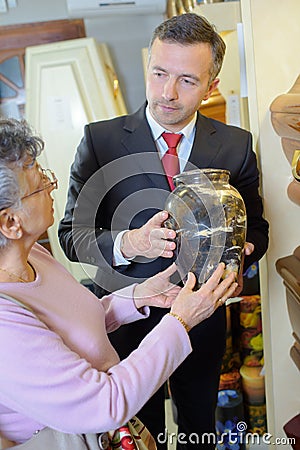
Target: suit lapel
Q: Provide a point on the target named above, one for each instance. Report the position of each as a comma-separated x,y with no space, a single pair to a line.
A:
139,142
206,144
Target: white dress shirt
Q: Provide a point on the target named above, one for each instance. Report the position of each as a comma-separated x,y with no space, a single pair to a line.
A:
183,150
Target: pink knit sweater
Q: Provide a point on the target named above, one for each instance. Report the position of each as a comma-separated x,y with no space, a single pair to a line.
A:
57,366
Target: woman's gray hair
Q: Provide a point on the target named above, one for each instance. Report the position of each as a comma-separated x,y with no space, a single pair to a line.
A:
19,147
192,29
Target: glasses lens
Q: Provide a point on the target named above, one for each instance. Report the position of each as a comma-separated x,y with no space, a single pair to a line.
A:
49,178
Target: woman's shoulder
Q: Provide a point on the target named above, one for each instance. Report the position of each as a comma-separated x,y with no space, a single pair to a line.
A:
38,249
41,259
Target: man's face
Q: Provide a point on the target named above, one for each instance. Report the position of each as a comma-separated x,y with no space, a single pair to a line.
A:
177,82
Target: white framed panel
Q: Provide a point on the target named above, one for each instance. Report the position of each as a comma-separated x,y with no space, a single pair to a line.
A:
68,84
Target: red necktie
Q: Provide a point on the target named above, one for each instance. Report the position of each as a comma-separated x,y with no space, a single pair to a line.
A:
170,159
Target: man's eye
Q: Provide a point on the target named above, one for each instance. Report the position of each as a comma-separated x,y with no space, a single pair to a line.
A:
159,74
188,81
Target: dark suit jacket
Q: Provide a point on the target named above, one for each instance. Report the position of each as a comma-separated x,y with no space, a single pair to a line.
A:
117,182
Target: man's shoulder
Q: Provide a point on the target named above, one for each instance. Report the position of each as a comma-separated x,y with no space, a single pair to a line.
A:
118,122
111,122
222,127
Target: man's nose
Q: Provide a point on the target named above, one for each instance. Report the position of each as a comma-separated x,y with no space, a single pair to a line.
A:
170,89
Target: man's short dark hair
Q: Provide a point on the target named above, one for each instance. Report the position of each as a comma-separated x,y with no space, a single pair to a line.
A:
191,29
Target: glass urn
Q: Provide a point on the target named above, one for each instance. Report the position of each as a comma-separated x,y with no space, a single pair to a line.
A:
209,217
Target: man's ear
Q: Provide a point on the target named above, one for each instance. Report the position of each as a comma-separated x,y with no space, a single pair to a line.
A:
212,87
10,224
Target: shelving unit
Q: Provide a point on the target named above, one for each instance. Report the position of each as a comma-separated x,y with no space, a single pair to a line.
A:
271,68
224,15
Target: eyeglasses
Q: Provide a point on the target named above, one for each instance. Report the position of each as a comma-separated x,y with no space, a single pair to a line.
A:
49,180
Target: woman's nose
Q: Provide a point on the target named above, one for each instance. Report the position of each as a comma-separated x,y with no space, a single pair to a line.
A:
51,187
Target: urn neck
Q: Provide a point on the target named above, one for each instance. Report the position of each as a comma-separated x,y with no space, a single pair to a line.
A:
202,176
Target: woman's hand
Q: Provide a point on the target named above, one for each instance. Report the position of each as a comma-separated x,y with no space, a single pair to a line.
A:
195,306
248,249
157,290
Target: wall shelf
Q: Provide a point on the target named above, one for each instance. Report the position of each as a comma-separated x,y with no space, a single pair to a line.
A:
224,15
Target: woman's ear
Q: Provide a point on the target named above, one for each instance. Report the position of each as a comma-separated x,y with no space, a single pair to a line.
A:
10,224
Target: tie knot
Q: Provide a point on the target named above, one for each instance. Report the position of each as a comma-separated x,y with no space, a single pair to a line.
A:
172,139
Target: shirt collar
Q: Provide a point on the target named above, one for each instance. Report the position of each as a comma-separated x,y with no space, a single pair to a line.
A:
157,130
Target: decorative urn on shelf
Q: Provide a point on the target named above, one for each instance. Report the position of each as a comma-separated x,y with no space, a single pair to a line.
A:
209,217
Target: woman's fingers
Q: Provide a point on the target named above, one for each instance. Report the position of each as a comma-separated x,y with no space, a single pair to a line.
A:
225,289
190,282
215,278
168,271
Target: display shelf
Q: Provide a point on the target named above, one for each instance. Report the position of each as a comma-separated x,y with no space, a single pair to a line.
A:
224,15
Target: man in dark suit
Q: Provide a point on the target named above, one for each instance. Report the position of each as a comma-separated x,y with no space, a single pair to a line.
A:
114,219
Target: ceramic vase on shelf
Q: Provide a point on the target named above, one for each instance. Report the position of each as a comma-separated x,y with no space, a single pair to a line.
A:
209,218
230,421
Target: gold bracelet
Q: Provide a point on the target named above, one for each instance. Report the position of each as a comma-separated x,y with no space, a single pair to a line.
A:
180,319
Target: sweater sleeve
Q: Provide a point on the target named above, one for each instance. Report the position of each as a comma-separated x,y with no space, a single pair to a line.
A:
120,309
42,379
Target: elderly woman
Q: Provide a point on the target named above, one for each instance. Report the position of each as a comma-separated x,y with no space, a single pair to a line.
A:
58,368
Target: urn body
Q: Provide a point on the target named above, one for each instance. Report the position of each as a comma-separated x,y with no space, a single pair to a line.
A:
209,217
